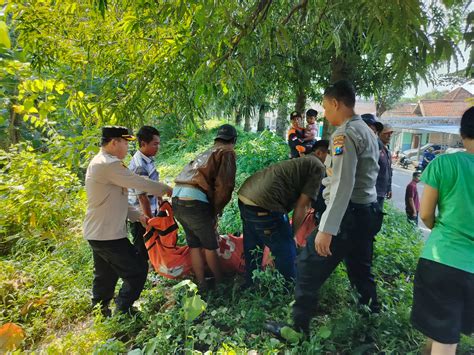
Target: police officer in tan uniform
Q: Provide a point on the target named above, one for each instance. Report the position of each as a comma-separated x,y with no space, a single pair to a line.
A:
352,218
107,183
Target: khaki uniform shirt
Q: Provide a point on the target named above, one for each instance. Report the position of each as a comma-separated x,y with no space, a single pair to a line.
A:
107,184
352,170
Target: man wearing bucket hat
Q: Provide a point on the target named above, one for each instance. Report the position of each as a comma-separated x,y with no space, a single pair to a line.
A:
107,183
202,190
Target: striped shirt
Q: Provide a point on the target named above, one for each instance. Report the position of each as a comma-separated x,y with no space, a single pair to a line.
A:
144,166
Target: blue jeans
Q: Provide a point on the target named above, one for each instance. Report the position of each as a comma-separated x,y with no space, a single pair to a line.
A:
272,229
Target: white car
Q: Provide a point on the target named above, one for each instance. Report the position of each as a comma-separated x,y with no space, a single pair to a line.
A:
413,152
454,150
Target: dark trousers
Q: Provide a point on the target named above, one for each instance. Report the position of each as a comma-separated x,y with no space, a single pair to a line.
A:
137,231
354,245
272,229
114,259
380,201
413,219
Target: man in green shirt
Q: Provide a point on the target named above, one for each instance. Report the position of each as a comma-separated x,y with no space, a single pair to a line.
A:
266,198
443,299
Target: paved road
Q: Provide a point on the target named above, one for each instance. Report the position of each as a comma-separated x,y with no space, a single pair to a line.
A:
401,178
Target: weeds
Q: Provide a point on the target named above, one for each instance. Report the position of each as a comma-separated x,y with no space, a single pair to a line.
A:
46,275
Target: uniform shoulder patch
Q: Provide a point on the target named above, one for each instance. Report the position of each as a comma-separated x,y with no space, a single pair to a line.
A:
338,144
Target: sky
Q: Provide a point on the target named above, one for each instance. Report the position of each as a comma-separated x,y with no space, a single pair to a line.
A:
423,88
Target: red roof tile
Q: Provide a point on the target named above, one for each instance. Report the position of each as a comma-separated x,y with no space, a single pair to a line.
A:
401,110
445,108
458,94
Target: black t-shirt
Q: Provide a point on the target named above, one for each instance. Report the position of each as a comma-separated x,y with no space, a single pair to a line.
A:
278,187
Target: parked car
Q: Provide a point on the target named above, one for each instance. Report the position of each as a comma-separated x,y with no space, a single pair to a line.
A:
409,153
454,150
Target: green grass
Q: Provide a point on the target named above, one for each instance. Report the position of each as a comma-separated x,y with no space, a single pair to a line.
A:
45,283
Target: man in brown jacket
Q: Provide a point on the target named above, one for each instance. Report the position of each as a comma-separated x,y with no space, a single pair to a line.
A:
202,190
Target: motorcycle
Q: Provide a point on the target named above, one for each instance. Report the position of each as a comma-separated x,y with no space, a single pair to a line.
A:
404,162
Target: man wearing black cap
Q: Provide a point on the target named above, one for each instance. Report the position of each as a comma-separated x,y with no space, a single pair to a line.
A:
107,182
202,190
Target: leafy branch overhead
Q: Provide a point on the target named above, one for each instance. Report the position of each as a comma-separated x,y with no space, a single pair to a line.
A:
140,61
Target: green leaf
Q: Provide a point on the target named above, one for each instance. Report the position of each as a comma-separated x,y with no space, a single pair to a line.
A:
324,332
193,307
4,37
290,335
224,87
191,285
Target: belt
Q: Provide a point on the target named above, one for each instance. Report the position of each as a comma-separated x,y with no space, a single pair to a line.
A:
254,208
187,203
246,201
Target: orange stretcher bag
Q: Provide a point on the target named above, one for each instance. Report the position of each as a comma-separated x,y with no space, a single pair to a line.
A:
168,259
307,227
231,254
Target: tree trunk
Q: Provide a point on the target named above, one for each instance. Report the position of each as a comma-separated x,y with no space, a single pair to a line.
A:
248,122
300,99
340,69
380,107
238,118
282,119
13,127
261,118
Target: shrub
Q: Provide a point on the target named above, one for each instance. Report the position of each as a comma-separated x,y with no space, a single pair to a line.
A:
37,198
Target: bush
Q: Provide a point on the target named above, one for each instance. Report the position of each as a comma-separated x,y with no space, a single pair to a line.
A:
37,198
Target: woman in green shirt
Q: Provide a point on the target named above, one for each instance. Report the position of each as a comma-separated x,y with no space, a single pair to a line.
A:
443,296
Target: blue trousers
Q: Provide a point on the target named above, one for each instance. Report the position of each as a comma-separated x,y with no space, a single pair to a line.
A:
272,229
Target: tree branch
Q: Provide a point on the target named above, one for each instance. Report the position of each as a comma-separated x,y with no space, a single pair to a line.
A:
300,6
254,19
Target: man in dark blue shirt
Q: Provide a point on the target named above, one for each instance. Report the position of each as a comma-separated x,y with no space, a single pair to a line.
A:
384,179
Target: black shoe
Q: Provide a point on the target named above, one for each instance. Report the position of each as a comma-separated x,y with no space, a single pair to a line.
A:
104,309
274,327
106,312
284,332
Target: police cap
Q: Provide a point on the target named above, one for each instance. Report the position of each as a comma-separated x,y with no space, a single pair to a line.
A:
117,132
